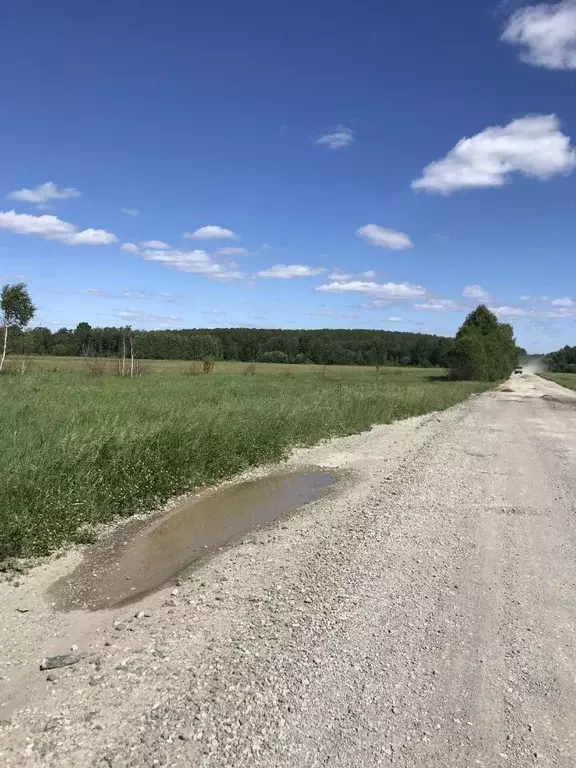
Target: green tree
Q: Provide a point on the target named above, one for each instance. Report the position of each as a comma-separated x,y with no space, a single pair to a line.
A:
17,310
484,349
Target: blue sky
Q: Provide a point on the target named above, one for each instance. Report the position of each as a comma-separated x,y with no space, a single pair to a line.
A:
291,164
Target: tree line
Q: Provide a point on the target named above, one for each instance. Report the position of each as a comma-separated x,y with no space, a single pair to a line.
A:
484,349
562,361
321,347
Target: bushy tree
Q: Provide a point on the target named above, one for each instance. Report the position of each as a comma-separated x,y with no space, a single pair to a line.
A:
484,349
17,310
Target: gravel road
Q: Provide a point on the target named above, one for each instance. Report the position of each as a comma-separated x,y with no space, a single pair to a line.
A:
421,614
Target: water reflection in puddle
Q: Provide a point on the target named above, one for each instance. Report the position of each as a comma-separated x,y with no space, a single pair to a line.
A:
142,556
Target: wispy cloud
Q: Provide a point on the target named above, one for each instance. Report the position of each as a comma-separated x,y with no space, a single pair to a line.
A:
232,251
212,232
53,228
159,244
288,271
336,274
44,193
130,211
564,302
338,139
145,318
379,290
476,292
384,238
510,311
546,34
533,146
443,305
336,315
196,262
129,248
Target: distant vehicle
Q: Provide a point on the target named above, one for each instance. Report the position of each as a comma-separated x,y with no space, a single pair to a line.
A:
518,370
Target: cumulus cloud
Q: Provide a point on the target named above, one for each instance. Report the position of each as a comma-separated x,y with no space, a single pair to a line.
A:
533,146
288,271
384,238
475,292
197,262
43,193
340,138
440,305
53,228
212,232
379,290
564,302
159,244
129,248
130,211
546,33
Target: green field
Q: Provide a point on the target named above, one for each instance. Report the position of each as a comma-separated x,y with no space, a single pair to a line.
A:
78,450
564,379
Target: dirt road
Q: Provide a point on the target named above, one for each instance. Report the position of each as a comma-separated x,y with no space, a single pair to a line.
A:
422,614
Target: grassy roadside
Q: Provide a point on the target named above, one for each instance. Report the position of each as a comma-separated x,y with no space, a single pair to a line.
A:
567,380
77,451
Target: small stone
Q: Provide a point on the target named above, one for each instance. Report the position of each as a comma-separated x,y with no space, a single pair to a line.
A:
95,680
22,610
64,660
73,647
51,678
175,592
119,627
186,735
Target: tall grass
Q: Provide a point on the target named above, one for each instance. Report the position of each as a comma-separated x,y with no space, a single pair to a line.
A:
77,450
567,380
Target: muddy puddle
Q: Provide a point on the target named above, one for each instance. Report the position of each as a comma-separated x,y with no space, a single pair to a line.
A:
143,555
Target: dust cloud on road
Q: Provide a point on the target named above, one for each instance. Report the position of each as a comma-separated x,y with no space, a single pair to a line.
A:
422,614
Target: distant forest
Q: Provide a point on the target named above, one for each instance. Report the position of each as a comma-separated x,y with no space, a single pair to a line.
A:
562,361
322,347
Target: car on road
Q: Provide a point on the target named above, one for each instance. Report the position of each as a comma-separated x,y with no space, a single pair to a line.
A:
518,370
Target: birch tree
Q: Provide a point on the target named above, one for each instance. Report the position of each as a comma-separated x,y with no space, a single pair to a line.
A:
17,309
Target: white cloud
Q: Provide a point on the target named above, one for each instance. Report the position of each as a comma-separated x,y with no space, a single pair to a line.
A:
288,271
158,244
211,232
475,292
381,290
340,138
533,145
547,34
384,238
509,311
129,248
232,251
130,211
95,292
336,274
440,305
214,312
53,228
565,302
395,319
43,193
197,262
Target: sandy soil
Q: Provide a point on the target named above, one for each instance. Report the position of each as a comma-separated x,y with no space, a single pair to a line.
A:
421,614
